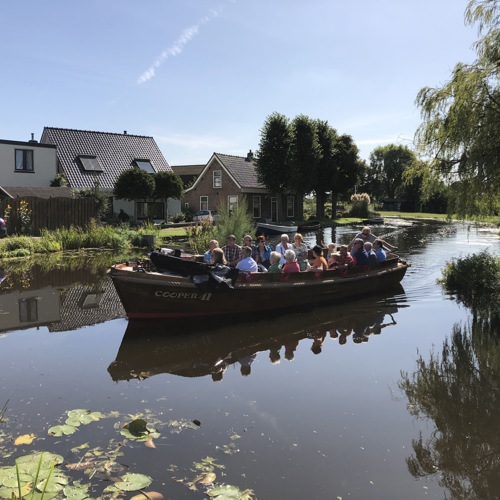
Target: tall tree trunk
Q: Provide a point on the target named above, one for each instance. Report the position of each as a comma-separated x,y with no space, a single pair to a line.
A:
320,206
335,199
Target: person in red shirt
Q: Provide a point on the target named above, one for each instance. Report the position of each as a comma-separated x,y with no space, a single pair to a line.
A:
291,265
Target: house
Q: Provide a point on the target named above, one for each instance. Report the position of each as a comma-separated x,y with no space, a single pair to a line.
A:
28,164
188,173
91,160
226,180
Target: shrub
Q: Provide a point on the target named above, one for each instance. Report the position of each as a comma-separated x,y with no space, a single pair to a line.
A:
359,205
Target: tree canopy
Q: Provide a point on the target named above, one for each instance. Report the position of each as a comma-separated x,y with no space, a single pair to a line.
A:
167,185
461,120
134,184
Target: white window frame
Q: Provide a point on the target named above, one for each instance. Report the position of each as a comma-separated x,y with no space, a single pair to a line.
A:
232,202
290,206
257,207
203,202
217,179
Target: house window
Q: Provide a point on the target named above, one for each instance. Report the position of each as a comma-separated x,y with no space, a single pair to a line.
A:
91,300
256,207
232,202
24,160
203,202
150,210
28,310
186,206
145,165
290,206
217,179
90,163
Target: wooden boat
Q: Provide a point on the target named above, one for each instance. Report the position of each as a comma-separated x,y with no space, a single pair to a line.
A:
146,293
193,348
272,229
309,226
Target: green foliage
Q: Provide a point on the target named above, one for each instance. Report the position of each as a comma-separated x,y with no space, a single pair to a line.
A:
134,184
59,180
167,185
199,235
460,130
476,281
359,205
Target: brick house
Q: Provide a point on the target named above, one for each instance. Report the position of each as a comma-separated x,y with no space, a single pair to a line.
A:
227,180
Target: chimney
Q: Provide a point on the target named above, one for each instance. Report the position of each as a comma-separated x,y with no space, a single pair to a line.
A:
249,156
32,138
124,132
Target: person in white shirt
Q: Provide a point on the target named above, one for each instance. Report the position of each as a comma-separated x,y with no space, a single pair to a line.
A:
283,246
247,264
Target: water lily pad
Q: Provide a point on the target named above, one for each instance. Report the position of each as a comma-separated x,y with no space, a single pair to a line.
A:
85,416
62,430
24,439
55,483
44,460
133,482
77,491
229,492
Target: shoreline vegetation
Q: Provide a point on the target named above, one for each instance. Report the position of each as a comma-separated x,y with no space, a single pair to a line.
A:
124,238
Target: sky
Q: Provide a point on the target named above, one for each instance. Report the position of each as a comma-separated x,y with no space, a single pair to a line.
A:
202,76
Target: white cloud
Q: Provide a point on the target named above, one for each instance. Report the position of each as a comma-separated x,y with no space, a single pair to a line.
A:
178,46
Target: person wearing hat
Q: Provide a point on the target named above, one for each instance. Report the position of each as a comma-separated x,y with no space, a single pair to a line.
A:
319,263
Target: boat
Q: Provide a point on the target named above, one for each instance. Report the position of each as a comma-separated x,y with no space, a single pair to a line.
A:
271,229
147,293
309,226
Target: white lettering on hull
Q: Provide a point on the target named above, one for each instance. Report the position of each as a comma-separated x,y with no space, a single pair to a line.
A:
182,295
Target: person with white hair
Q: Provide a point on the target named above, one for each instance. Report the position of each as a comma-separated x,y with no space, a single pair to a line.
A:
291,264
283,246
367,235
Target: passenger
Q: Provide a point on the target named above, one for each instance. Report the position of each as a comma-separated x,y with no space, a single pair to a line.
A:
332,250
219,259
3,228
247,264
247,242
319,263
369,250
275,266
367,235
379,250
343,259
300,249
207,256
262,252
291,264
232,251
359,254
283,246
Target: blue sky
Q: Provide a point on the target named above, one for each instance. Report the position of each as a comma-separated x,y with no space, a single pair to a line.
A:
201,76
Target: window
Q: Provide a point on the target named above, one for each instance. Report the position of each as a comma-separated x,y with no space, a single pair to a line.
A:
186,206
256,207
290,206
217,179
203,202
145,165
232,202
28,310
91,300
24,160
90,163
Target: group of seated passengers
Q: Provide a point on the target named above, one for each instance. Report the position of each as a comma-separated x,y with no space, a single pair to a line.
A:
294,257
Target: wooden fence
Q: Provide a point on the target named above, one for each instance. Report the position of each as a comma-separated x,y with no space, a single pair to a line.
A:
51,213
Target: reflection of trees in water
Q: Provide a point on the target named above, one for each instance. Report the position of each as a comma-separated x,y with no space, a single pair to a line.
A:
460,392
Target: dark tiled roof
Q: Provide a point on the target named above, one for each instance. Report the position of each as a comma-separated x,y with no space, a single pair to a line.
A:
38,192
241,169
115,152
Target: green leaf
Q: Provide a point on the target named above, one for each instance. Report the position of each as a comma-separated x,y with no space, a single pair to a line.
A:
61,430
133,482
225,492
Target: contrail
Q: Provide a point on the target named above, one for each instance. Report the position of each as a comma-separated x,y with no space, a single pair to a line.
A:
176,48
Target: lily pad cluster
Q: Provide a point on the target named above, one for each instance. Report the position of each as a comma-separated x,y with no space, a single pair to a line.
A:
74,420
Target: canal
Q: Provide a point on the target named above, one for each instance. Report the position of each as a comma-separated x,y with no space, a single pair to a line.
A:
387,397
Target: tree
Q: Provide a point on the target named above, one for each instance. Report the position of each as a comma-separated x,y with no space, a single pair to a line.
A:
304,156
461,120
349,167
134,184
272,159
167,185
327,165
387,166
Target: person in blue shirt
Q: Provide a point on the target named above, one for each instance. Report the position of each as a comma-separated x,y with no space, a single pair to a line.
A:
358,253
378,246
372,257
207,256
262,252
247,264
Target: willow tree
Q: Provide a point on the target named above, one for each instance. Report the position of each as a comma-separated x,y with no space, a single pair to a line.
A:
272,159
461,121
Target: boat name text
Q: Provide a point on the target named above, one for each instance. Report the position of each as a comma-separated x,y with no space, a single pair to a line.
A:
183,295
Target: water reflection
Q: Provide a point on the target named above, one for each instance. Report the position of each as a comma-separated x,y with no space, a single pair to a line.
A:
60,297
459,391
191,349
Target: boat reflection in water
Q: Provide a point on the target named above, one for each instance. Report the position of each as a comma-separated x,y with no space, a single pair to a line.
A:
196,349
